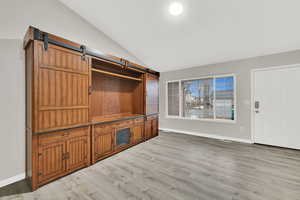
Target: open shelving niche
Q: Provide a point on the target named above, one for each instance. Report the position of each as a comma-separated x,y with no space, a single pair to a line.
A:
117,92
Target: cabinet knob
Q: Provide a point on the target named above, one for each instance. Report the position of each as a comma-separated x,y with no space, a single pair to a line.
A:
66,134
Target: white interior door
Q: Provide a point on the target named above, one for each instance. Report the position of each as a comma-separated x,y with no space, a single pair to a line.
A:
277,107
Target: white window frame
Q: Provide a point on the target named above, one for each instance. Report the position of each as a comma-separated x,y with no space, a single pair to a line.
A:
167,99
199,119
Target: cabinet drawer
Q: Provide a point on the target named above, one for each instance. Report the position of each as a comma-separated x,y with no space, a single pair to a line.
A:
124,124
52,137
152,117
77,132
62,135
103,129
139,120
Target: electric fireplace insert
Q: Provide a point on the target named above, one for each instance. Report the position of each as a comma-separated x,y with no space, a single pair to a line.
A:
123,137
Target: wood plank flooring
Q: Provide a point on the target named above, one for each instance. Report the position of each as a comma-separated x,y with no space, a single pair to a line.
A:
183,167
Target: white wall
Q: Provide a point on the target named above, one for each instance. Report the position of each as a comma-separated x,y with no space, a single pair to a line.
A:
12,109
15,17
241,130
53,17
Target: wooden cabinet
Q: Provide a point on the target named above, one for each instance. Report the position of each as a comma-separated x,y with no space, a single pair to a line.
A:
81,106
148,129
103,142
62,152
152,94
104,137
151,127
63,82
137,133
51,161
78,149
155,127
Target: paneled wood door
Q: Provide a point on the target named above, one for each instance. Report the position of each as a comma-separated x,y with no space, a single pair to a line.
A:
137,133
78,150
63,82
148,129
152,94
103,141
51,161
155,127
151,127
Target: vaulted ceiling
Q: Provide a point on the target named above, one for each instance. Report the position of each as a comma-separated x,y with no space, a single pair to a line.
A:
208,31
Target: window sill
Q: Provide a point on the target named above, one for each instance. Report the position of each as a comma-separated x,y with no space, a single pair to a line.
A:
204,120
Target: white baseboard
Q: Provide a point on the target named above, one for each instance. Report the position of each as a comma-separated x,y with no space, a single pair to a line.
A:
12,180
218,137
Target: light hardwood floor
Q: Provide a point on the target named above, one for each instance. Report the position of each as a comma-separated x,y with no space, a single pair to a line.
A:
176,166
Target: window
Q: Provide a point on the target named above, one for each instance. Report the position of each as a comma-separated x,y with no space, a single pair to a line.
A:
197,98
211,98
224,98
173,98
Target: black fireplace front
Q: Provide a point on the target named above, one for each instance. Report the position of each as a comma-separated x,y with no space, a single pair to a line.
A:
123,136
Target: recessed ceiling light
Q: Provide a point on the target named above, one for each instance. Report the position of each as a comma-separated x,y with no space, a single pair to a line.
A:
176,8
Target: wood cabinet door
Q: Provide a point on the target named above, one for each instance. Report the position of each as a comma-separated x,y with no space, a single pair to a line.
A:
103,141
137,133
77,154
154,127
51,161
148,129
62,89
152,94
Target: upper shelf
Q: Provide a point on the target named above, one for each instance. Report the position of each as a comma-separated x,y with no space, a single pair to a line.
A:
116,74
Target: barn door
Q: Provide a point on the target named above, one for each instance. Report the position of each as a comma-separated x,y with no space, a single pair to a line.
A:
63,82
152,91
